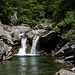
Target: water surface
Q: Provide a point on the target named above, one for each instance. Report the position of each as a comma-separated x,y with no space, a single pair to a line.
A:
35,65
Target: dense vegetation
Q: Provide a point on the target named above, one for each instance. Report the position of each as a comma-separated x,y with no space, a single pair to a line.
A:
60,12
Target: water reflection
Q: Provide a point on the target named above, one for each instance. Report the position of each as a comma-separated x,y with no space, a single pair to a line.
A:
22,68
34,68
28,65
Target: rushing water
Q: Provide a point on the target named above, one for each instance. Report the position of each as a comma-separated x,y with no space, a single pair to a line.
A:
22,50
34,44
38,65
23,47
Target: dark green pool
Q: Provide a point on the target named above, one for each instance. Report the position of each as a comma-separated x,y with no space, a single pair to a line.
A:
38,65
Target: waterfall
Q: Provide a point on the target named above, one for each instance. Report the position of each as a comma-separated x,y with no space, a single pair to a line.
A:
23,47
22,50
34,44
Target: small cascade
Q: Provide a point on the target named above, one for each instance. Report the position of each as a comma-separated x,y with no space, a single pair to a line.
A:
34,45
22,50
23,47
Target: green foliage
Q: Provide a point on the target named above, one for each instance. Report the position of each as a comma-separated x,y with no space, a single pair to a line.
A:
31,14
67,26
69,35
62,6
69,21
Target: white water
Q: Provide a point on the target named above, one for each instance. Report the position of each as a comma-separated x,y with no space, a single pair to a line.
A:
23,47
22,50
34,44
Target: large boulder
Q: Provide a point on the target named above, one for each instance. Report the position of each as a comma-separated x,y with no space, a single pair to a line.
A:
47,36
49,41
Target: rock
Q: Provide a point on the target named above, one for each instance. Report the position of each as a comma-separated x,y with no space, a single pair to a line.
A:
6,28
64,72
56,73
67,50
49,41
39,32
45,26
69,58
3,46
10,35
60,61
14,51
17,30
22,29
73,69
7,56
4,51
8,38
42,52
28,49
47,36
14,19
61,52
5,35
2,32
15,35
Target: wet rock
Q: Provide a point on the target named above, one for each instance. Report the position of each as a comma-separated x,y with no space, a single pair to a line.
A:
28,49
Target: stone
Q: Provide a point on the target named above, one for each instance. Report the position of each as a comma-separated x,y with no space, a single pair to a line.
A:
14,51
39,32
17,30
67,50
60,61
14,18
46,26
64,72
